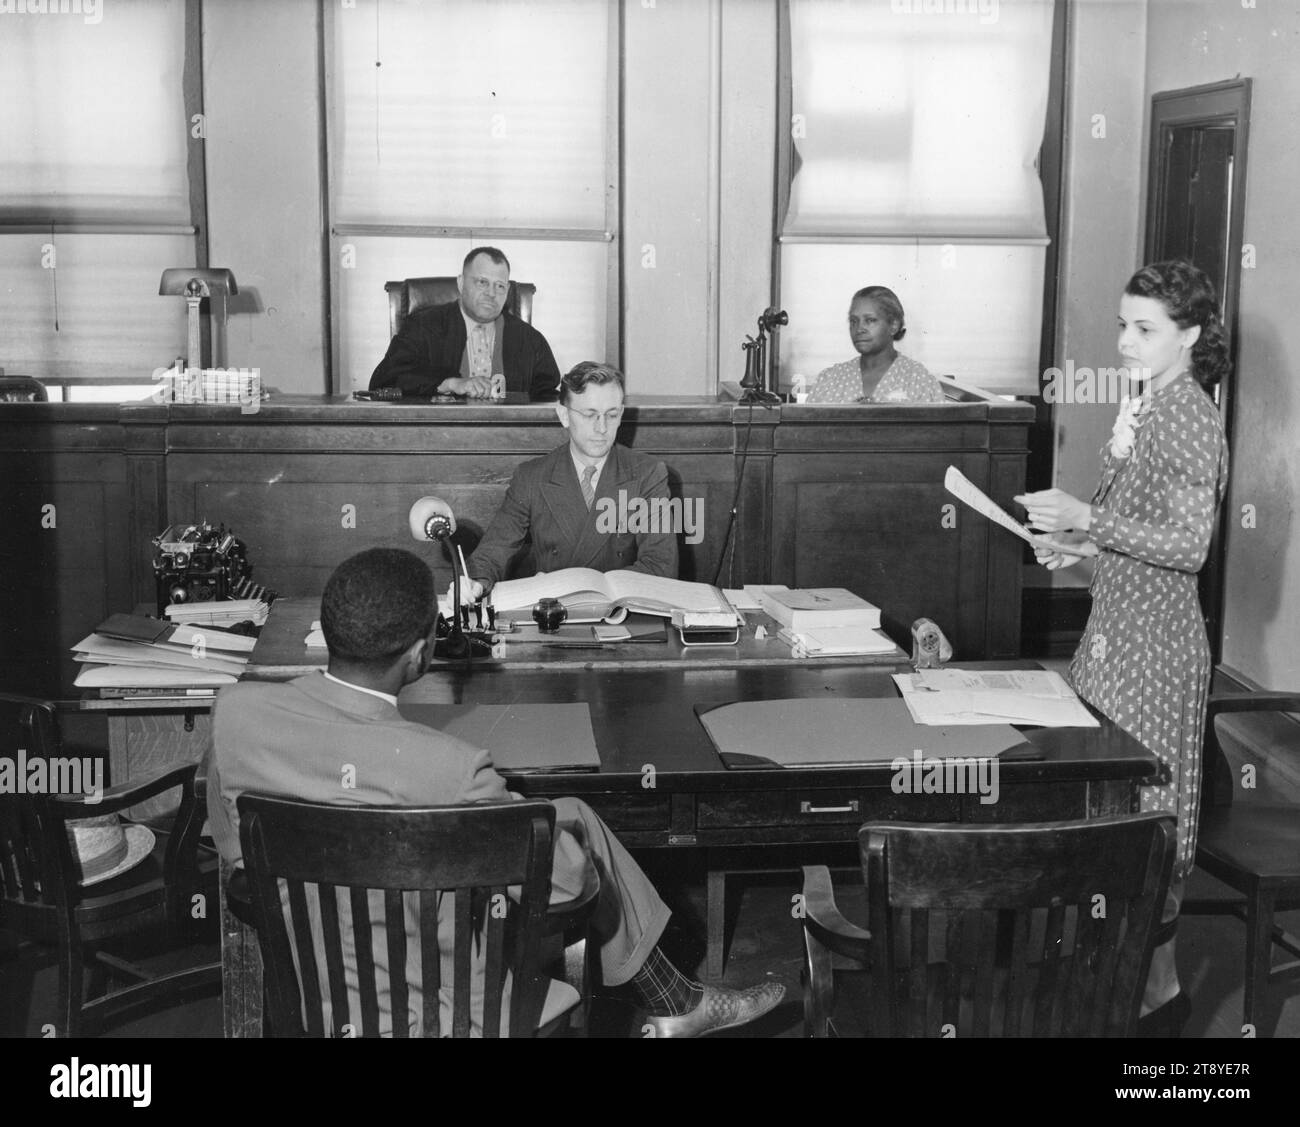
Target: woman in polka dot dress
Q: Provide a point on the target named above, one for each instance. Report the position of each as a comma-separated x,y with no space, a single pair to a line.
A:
878,374
1144,659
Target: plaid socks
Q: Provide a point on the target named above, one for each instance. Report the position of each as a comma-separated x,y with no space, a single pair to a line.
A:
663,989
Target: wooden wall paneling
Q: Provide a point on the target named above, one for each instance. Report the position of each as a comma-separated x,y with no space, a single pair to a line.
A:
62,511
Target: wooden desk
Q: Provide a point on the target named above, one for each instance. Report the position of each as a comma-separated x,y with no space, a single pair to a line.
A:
281,655
662,785
830,496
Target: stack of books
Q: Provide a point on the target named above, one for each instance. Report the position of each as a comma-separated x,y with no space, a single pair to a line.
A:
823,621
132,655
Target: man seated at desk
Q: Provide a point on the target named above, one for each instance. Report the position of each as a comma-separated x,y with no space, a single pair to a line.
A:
552,505
293,739
456,348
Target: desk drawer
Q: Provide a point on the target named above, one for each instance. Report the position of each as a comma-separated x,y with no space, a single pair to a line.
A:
811,806
630,813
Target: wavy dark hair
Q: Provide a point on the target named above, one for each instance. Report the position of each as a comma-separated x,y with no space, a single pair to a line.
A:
888,301
377,604
1189,298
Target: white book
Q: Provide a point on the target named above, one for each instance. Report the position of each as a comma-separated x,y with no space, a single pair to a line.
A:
591,595
810,608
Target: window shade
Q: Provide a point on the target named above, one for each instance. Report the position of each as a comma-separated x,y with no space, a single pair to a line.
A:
104,293
910,122
482,114
95,134
94,126
915,135
972,312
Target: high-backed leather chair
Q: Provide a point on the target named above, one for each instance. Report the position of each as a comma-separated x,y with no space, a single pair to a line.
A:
411,294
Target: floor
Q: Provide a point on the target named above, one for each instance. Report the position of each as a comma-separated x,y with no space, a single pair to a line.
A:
766,943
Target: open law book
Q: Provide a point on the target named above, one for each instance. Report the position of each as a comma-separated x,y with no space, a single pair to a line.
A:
591,595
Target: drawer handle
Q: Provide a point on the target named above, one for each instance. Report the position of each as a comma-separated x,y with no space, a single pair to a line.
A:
850,807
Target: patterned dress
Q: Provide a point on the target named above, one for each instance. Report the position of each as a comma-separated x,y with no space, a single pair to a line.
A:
906,381
1144,659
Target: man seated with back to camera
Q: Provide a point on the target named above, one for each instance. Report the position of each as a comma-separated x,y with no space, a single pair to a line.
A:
550,510
293,738
457,347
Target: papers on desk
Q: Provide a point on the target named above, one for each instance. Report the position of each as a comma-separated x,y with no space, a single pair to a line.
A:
945,697
315,639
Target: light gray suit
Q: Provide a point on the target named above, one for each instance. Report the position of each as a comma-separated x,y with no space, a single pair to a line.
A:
295,738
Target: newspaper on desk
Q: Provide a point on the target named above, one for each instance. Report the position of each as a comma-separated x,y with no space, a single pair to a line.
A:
1011,696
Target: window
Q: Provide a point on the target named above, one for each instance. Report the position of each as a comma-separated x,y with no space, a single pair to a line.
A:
94,191
912,163
455,123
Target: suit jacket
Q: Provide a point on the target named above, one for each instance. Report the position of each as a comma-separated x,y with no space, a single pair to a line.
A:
544,512
294,738
429,347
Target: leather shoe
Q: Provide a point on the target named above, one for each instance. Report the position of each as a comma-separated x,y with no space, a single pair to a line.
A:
720,1008
1167,1020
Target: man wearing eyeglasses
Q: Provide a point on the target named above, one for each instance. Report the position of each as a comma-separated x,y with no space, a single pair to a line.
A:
456,348
554,504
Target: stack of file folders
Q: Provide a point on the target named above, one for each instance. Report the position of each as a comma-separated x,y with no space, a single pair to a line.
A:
136,656
220,612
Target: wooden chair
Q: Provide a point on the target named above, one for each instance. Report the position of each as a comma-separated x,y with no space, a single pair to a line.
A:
43,901
412,294
375,892
1044,929
1254,848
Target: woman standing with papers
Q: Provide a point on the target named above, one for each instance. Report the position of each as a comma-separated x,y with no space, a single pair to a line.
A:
1144,659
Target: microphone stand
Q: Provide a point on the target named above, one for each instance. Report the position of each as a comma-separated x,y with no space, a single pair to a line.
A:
457,643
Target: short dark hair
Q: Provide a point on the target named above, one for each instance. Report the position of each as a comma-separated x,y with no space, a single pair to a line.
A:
495,255
588,372
1188,296
888,301
377,604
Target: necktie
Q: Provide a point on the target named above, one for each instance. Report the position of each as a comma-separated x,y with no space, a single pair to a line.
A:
588,488
480,363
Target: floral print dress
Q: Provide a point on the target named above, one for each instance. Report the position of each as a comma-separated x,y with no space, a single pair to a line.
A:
1144,659
906,381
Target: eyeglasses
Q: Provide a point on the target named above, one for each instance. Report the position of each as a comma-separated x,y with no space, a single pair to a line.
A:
610,417
488,285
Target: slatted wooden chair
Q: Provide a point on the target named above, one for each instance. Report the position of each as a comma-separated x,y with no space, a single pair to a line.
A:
1041,930
43,901
1254,848
386,910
